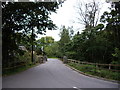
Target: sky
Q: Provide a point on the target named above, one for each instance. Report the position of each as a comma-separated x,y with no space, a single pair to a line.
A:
66,15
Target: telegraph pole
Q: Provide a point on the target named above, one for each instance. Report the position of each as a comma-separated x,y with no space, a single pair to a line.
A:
32,45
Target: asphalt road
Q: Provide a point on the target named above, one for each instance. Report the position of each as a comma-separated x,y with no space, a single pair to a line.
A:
53,74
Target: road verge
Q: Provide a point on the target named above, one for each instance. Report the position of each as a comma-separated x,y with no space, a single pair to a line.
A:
73,68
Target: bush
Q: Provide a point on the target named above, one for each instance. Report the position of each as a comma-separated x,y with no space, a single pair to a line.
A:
26,58
35,58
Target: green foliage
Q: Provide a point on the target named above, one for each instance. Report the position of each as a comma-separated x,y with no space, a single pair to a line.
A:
112,19
26,58
56,49
117,53
53,50
46,40
38,51
17,69
91,69
98,44
117,56
44,45
65,36
19,20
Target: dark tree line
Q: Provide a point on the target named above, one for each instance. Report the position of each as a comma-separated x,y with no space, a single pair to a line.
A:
98,44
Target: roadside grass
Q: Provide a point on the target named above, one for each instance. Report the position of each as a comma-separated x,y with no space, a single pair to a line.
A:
53,57
7,72
93,70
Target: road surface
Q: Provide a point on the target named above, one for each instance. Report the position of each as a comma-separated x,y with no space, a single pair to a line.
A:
53,74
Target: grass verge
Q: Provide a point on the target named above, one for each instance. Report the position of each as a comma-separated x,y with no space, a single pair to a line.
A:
92,70
6,72
53,57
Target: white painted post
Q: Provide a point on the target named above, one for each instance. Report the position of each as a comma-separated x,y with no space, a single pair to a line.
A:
109,66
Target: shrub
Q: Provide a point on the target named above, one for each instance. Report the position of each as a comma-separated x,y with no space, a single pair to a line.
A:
26,58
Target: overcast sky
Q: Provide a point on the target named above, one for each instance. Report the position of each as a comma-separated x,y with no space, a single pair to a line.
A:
66,15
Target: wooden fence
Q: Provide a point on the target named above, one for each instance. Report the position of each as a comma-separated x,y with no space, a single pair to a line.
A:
110,66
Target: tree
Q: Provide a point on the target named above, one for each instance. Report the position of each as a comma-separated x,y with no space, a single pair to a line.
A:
44,42
88,13
53,50
112,19
25,18
64,39
116,55
98,44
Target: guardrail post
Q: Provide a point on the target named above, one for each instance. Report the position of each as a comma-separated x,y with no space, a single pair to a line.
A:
65,60
109,66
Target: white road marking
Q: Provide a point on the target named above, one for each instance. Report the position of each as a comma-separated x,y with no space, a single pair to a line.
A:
75,87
